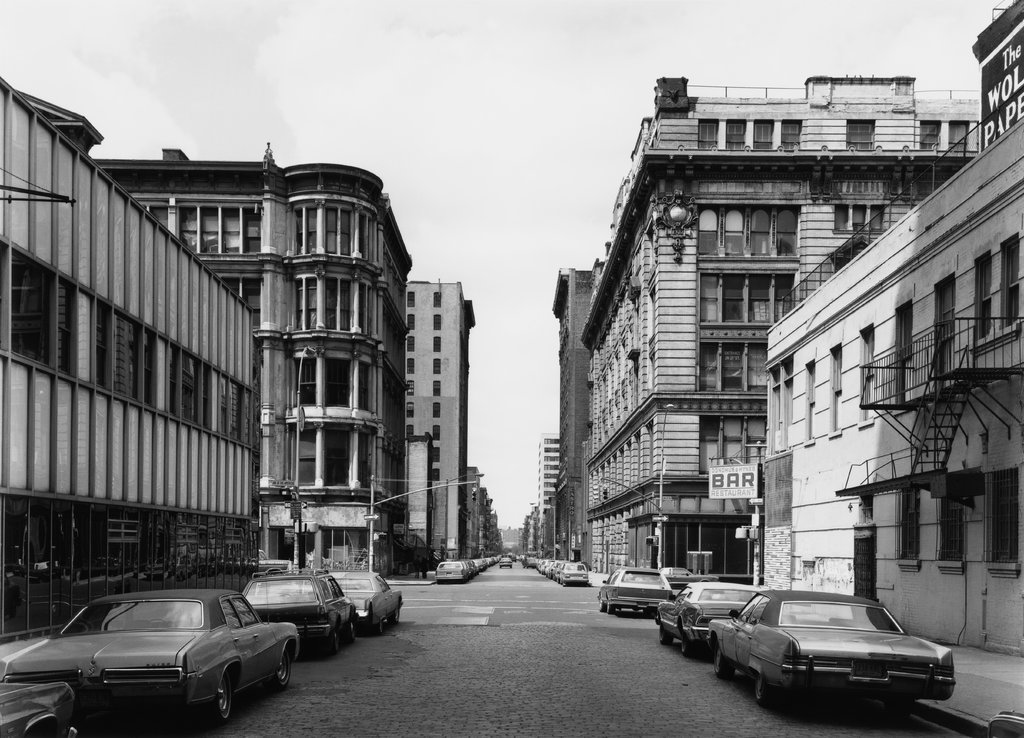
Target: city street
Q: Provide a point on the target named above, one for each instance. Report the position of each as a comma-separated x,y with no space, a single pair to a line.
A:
512,653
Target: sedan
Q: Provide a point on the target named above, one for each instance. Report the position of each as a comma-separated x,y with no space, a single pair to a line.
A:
573,572
312,600
376,603
37,710
688,615
170,648
452,571
790,641
634,589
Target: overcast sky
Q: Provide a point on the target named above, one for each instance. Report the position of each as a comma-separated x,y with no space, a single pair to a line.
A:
501,129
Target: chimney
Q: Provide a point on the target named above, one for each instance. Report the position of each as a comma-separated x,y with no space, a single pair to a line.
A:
174,155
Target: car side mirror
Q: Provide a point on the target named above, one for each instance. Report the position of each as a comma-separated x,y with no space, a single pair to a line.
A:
734,614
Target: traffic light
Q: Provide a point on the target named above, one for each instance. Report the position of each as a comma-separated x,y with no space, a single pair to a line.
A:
473,492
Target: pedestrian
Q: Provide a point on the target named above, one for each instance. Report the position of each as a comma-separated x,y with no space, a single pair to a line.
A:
424,565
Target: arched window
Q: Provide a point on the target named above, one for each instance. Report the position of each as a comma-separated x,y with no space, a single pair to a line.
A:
707,232
734,233
760,232
785,230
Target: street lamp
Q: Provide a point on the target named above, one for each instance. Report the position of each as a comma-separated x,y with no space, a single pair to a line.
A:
298,555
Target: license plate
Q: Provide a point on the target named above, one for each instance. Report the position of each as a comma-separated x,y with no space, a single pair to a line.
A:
869,670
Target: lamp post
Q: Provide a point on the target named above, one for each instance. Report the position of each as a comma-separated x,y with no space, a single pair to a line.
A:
298,555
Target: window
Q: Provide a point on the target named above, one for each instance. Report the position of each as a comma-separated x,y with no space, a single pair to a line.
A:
760,233
743,298
930,134
410,299
102,349
437,366
336,457
252,222
188,226
410,387
707,134
410,343
364,387
410,321
734,233
983,294
860,135
1002,505
904,345
410,365
437,322
188,387
1010,265
437,388
836,388
437,299
853,217
410,409
366,243
231,230
209,241
867,358
732,367
305,369
65,325
437,409
126,345
707,232
809,416
958,136
763,131
148,367
759,303
783,285
725,438
735,135
908,530
951,530
945,314
409,430
709,298
305,304
436,432
437,344
785,233
786,406
337,231
790,135
30,308
336,387
732,298
250,292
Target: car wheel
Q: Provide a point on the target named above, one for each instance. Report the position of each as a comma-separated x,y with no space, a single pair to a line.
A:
279,680
348,630
612,609
220,709
602,606
376,628
764,693
397,616
664,637
333,642
723,669
689,646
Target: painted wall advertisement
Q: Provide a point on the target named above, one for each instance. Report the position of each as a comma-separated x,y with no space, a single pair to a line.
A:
1002,88
733,481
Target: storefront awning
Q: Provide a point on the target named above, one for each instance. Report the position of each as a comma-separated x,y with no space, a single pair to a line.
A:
955,485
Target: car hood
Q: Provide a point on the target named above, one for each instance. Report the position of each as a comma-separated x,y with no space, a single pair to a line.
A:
103,649
868,644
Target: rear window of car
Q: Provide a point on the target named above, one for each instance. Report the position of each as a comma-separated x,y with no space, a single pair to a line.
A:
352,584
631,577
725,595
280,591
575,567
837,615
138,615
450,565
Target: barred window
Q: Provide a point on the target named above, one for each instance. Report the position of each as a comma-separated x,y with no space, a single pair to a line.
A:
908,524
951,530
1002,505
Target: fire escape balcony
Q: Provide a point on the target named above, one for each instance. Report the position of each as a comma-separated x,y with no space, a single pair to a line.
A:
832,263
922,390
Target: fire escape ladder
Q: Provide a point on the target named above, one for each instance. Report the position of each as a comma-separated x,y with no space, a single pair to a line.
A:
940,421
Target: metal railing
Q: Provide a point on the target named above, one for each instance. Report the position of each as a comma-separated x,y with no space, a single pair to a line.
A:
975,350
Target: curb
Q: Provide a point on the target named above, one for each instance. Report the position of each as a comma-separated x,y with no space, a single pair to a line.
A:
947,718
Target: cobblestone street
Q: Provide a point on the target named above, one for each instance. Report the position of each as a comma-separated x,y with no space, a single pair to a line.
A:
541,661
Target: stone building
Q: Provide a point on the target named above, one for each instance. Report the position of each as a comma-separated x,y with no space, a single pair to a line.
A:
729,199
316,252
127,397
440,319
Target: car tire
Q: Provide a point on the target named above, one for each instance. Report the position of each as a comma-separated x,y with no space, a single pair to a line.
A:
332,643
398,615
219,710
689,645
602,606
612,609
664,637
764,693
376,628
282,676
723,669
348,630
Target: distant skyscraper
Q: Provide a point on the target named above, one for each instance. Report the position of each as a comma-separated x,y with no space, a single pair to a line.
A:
547,479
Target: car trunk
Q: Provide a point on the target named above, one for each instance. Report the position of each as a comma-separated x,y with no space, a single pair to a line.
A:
304,613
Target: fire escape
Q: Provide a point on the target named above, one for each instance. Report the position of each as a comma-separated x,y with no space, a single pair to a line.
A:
923,390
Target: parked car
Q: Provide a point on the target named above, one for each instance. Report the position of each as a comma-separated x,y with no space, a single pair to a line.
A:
504,563
452,571
37,710
169,647
687,616
310,599
788,640
552,571
677,577
1006,724
375,602
267,564
573,572
633,589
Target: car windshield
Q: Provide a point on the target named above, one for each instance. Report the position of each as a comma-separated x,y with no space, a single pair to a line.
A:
280,591
138,615
837,615
355,585
637,577
725,595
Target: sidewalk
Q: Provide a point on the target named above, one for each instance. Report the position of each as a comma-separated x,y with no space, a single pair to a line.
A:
411,580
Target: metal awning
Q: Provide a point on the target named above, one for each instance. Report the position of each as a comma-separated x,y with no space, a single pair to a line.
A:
940,483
